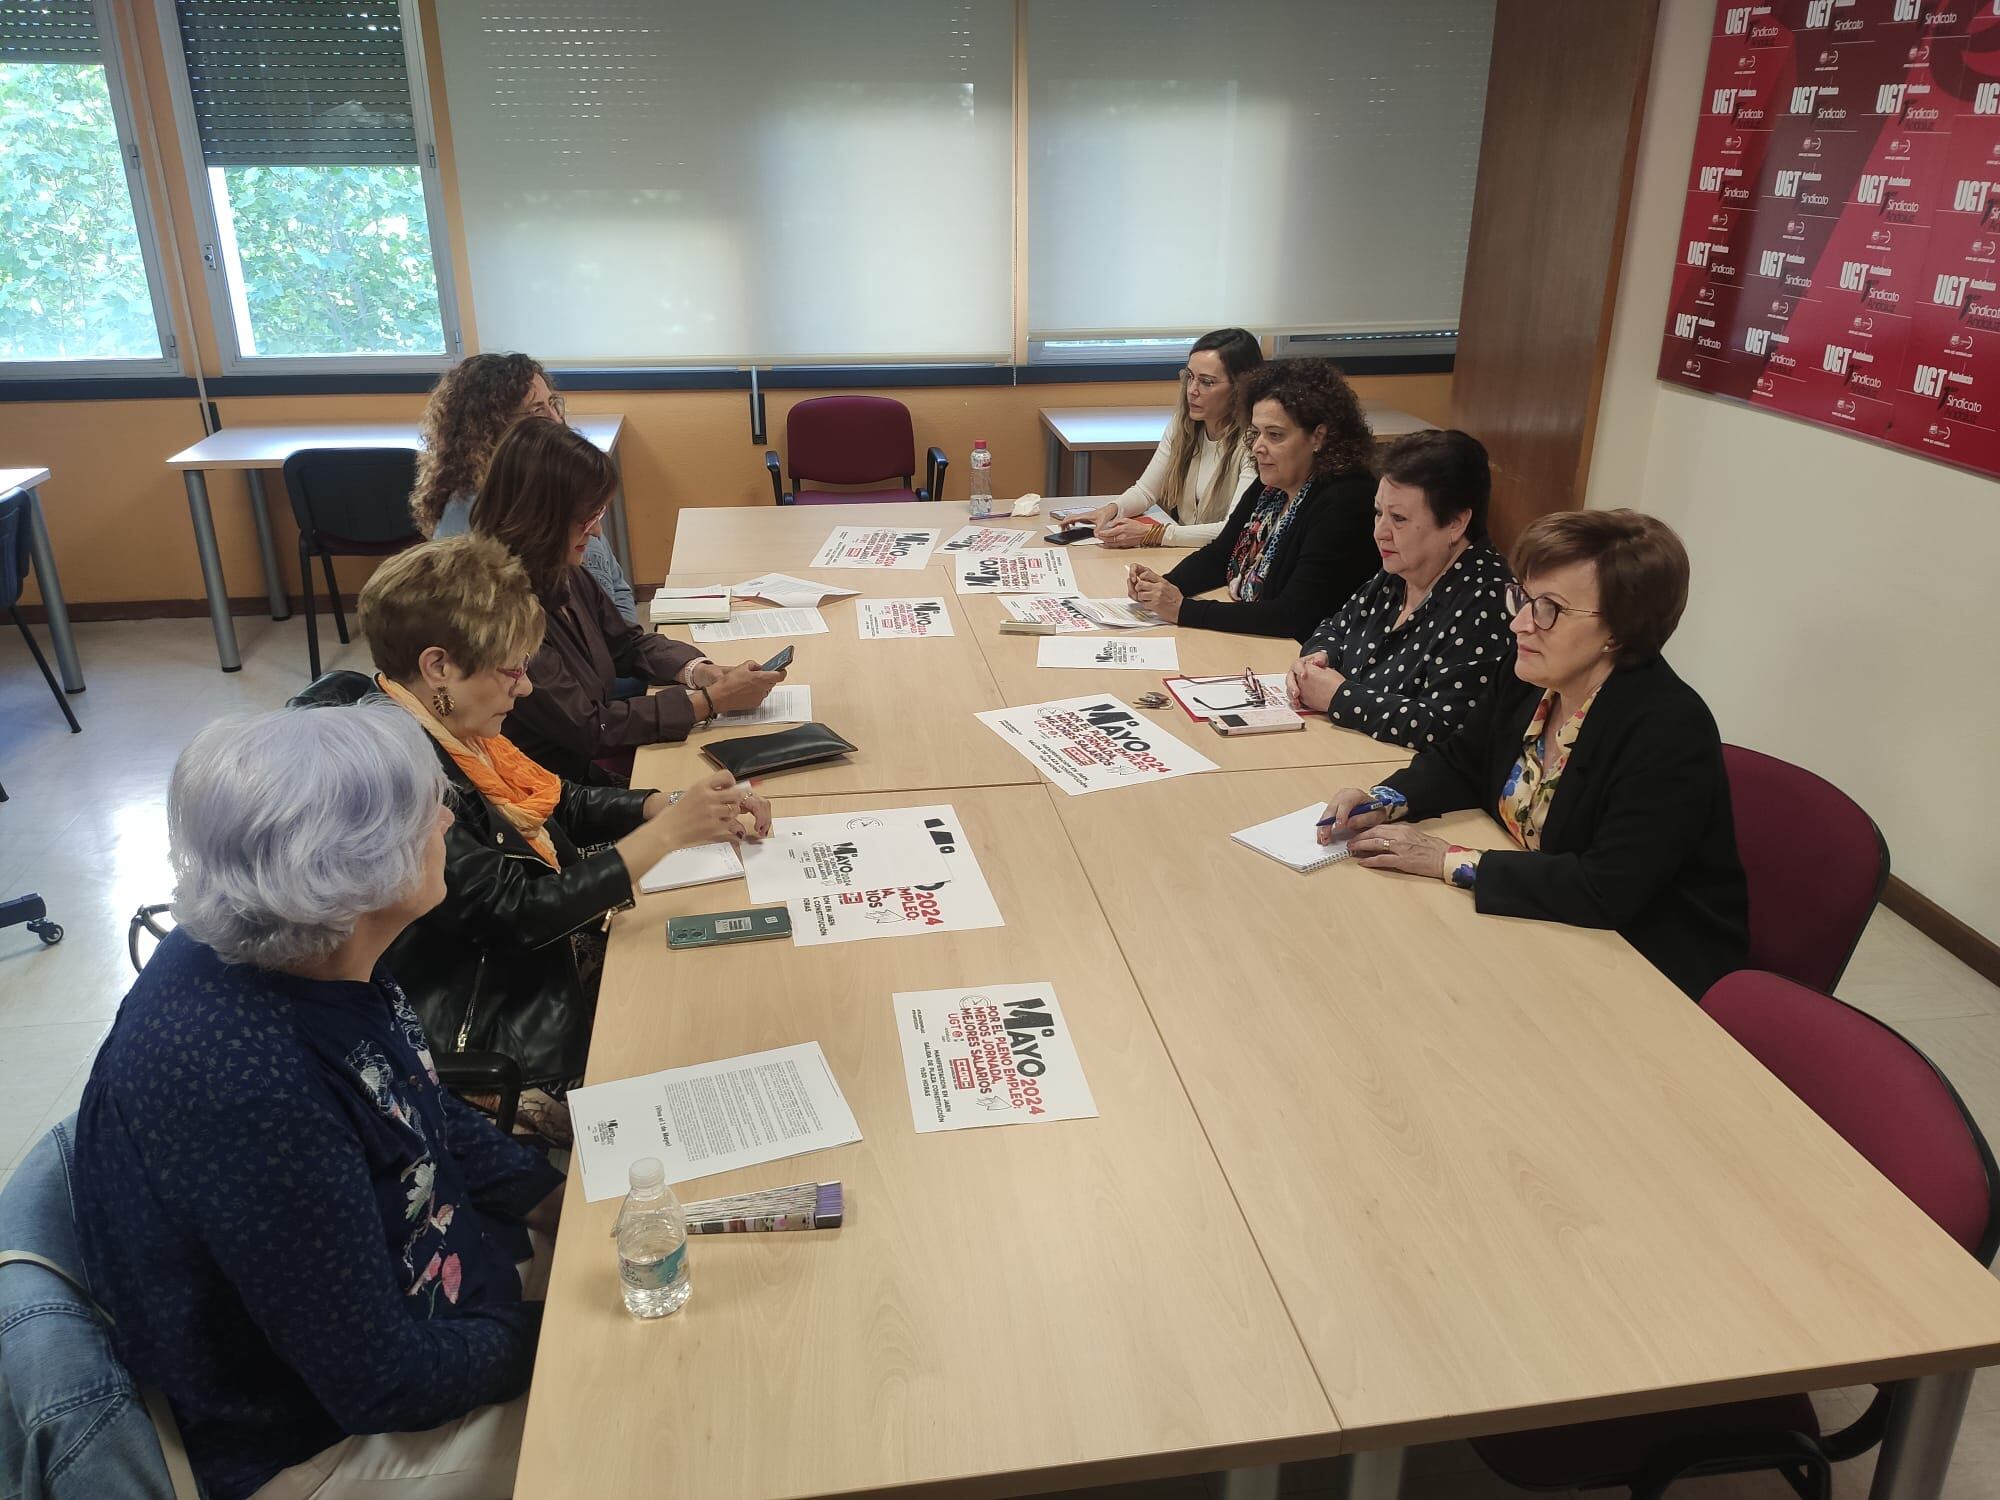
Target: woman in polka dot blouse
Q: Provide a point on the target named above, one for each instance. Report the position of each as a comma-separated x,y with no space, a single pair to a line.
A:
1424,639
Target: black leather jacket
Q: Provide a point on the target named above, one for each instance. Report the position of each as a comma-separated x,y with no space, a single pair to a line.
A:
494,966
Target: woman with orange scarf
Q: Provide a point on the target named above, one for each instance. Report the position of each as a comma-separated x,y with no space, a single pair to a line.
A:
509,961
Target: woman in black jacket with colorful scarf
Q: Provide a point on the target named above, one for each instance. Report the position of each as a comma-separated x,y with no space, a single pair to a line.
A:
1300,540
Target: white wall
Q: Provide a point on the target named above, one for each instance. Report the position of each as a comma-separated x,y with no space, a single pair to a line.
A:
1846,603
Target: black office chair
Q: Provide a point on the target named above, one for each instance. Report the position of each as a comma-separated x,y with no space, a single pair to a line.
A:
349,502
27,909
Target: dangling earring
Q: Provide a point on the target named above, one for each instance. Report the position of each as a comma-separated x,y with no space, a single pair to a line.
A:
441,704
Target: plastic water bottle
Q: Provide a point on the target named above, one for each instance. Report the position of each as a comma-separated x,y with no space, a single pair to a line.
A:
982,481
652,1244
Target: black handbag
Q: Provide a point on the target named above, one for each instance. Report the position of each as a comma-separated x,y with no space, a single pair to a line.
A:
760,754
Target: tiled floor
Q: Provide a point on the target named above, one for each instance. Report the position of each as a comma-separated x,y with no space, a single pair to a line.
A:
86,827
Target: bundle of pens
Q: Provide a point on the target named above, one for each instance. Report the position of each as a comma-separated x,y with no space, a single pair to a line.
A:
804,1205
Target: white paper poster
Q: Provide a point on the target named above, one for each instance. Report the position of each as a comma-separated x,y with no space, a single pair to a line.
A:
710,1117
876,547
699,864
998,1055
1094,743
758,624
1067,615
1153,653
787,703
905,619
833,852
792,593
975,539
1045,570
959,903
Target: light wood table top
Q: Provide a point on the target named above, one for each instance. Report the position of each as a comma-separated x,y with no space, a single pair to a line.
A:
1004,1309
1502,1172
21,479
268,446
1125,429
908,704
786,538
1203,653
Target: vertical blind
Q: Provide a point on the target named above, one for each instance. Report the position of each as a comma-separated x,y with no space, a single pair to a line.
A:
48,31
682,180
298,82
1290,165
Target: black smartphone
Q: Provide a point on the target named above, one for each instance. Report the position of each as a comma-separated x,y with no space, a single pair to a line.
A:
1071,534
779,662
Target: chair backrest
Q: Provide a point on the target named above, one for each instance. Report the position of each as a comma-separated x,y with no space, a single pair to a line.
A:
850,440
13,548
73,1423
354,495
1887,1099
1814,861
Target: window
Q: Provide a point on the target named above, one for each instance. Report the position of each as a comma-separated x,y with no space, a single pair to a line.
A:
80,290
734,183
1293,166
317,181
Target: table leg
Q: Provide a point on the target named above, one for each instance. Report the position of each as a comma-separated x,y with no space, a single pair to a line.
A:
52,595
621,532
1246,1484
1052,476
211,571
1923,1426
1079,473
274,581
1374,1475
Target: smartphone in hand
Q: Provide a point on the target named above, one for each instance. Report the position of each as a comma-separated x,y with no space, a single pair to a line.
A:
779,662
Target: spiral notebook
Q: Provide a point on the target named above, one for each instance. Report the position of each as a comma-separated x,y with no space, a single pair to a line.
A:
1293,840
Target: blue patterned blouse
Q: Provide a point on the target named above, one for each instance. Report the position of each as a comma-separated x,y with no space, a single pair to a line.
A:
299,1234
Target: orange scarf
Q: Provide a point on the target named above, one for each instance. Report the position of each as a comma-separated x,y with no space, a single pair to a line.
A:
503,775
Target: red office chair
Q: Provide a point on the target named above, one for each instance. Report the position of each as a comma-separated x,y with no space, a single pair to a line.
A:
1892,1105
853,440
1815,862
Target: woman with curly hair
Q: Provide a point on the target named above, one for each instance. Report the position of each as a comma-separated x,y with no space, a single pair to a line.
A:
1300,540
472,406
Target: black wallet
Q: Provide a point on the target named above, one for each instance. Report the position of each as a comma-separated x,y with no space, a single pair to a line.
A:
760,754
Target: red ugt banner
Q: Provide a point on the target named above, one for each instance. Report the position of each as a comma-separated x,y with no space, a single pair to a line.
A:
1839,257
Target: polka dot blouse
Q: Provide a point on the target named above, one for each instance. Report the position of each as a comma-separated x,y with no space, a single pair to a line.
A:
1413,686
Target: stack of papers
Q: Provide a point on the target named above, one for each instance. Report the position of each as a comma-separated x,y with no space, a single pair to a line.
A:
683,606
702,864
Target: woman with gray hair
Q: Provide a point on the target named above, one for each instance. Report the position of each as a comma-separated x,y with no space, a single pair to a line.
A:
305,1243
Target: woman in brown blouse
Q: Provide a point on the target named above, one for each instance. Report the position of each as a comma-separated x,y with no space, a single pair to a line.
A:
544,497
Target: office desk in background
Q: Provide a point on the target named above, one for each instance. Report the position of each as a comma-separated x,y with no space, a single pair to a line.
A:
29,482
1081,431
254,449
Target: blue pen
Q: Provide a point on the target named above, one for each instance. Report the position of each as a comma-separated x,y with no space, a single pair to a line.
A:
1383,803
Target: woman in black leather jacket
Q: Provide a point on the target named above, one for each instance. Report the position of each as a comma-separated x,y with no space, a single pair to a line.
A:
534,865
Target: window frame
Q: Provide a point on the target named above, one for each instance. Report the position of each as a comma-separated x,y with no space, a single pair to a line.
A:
169,362
215,275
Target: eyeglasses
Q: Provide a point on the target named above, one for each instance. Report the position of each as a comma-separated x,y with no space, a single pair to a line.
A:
595,516
1199,382
1544,610
550,408
515,674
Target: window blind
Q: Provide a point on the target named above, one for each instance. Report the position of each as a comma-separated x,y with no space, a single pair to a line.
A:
48,31
1289,165
298,82
795,180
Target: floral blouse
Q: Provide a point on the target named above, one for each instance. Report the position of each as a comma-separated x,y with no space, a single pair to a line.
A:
1258,543
1530,788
